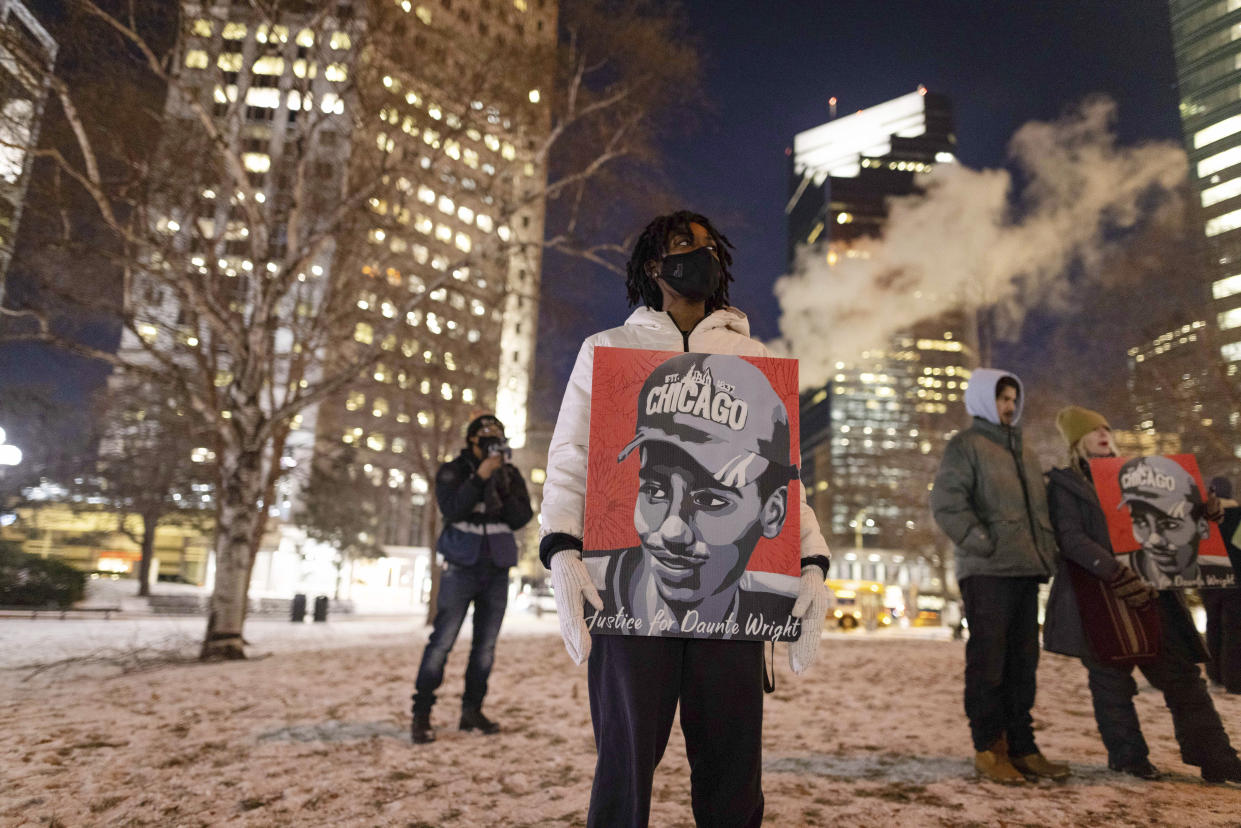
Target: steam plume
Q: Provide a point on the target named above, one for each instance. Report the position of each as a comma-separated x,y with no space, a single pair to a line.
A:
971,238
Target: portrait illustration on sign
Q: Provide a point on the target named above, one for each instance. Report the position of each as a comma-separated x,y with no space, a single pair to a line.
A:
1156,513
692,519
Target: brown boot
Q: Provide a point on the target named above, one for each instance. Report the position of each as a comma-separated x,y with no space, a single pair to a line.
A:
1036,765
992,764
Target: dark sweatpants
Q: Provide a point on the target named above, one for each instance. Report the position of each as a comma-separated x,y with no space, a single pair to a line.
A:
1001,660
635,685
1223,608
1198,728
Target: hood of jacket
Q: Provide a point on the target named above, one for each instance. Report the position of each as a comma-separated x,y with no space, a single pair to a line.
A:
980,395
730,318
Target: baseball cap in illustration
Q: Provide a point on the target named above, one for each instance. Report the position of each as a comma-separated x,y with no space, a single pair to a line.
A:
719,409
1159,482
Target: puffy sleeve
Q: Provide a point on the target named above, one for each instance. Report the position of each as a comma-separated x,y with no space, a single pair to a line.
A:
814,547
564,490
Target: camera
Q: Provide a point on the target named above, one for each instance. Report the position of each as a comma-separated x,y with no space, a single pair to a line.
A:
496,445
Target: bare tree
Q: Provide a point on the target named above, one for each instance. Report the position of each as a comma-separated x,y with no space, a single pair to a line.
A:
339,507
321,189
155,468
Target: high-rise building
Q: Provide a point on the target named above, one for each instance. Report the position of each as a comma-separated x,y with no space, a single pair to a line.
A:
1177,388
1206,39
27,58
871,438
469,344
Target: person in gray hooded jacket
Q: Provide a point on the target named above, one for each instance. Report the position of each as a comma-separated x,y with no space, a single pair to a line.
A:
988,498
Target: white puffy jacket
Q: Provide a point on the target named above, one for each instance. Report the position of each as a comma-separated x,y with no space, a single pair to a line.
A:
726,331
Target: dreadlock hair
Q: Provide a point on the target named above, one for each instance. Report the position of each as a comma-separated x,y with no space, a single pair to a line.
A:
652,245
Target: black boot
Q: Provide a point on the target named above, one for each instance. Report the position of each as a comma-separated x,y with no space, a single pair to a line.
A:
472,718
421,731
1141,768
1221,771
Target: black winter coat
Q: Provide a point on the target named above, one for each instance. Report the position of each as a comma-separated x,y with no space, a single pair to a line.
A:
1081,533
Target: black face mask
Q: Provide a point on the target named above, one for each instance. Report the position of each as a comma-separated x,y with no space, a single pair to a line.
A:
695,275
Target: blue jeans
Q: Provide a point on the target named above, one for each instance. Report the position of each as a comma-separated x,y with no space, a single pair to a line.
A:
487,587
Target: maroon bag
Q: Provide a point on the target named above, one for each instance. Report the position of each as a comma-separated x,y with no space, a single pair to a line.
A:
1118,634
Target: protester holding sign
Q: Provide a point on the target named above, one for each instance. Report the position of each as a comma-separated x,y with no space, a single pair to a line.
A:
679,271
1081,527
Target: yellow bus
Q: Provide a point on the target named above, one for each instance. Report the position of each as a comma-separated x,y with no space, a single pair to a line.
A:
858,604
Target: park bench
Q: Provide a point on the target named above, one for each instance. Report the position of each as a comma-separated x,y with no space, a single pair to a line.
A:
63,612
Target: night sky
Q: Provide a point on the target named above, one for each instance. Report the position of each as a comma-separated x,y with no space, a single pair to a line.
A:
769,71
771,67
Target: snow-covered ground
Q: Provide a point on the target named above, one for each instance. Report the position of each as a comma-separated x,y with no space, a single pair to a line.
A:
314,731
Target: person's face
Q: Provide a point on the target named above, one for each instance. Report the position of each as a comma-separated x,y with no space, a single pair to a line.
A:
692,238
1006,404
489,430
1171,543
1098,443
697,534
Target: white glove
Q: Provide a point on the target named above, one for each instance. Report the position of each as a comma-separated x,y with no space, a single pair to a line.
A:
811,608
571,586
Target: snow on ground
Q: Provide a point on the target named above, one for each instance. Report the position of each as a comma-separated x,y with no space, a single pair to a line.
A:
314,731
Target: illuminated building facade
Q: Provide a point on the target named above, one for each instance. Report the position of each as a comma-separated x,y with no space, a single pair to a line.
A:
1206,36
1177,388
469,344
27,57
872,437
1206,39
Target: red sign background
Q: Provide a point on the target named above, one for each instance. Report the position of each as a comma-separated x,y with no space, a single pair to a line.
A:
612,488
1106,473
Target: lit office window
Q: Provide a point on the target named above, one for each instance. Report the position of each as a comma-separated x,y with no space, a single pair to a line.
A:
364,333
1226,287
196,59
1224,223
1221,192
256,162
1216,131
1219,161
1231,351
375,442
269,65
1230,319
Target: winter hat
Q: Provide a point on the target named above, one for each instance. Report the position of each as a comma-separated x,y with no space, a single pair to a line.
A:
1222,487
1076,422
479,423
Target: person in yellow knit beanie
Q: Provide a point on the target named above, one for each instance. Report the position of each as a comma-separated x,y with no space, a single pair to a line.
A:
1081,531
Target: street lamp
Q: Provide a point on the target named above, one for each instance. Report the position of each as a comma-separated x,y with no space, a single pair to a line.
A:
10,455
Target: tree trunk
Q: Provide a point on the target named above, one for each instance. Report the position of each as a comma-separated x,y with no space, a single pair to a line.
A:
241,490
430,532
149,522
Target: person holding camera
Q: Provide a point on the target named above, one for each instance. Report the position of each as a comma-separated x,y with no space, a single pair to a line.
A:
483,500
